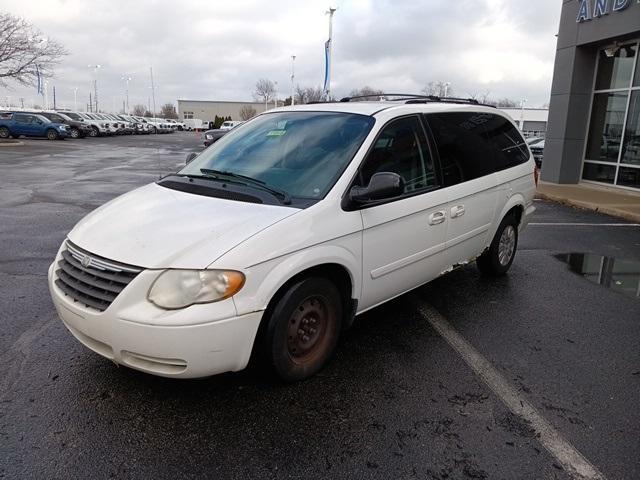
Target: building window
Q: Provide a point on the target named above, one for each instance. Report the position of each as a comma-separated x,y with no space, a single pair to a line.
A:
188,115
612,153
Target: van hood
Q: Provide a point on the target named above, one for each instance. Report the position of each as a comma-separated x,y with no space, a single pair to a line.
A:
156,227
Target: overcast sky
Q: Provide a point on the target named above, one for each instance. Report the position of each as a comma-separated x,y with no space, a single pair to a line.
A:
216,50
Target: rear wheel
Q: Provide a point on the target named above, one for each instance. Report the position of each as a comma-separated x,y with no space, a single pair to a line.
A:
52,134
4,132
303,329
497,260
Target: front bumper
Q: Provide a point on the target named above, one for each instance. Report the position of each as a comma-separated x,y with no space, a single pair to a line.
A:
178,343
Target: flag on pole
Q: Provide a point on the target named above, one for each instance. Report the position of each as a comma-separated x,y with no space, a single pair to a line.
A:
327,48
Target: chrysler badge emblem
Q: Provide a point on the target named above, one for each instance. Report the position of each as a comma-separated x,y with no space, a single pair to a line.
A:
86,261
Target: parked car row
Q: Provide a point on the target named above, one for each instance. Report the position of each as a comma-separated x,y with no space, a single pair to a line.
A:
61,124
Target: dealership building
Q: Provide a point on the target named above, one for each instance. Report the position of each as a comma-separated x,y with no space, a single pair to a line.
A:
593,133
206,110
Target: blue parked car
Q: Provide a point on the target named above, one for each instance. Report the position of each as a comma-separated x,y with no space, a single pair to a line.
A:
14,124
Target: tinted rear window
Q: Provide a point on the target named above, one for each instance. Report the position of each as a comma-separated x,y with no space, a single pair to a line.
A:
464,151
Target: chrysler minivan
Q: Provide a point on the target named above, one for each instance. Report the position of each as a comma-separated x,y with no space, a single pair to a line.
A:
268,243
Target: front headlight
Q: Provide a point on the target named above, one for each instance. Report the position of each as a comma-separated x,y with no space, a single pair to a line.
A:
209,137
175,289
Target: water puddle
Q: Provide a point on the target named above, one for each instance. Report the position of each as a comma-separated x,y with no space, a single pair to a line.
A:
614,273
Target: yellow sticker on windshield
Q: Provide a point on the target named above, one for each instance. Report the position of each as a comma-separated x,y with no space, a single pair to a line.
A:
276,133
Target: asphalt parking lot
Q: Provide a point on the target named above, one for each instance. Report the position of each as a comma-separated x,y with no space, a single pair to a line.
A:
530,376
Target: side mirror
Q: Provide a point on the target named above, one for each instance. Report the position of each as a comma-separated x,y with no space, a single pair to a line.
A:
191,156
381,186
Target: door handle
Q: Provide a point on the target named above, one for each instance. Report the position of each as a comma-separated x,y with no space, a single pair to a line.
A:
457,211
437,217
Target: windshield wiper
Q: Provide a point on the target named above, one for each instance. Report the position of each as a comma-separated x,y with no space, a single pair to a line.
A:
286,198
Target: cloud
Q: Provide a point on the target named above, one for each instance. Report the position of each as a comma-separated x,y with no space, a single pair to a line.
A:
217,50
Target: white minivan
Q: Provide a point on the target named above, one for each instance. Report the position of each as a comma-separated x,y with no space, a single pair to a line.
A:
270,242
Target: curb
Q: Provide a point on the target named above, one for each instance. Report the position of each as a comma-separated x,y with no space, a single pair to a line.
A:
614,212
11,144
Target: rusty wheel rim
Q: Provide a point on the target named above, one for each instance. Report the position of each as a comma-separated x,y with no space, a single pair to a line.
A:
307,329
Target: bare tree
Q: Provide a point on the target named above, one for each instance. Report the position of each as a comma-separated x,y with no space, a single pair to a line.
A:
247,112
309,94
24,51
480,97
438,89
168,110
265,90
367,93
147,113
138,110
504,102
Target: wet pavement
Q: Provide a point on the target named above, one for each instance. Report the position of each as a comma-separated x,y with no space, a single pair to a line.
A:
397,401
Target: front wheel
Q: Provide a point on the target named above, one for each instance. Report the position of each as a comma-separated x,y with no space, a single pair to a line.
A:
52,134
94,132
497,259
75,133
303,329
4,132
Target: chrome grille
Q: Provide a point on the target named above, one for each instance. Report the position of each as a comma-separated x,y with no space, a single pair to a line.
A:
91,280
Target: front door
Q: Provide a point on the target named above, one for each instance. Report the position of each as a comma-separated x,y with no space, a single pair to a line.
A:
404,237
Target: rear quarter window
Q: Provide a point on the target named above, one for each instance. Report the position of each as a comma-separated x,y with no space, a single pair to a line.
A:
510,149
462,146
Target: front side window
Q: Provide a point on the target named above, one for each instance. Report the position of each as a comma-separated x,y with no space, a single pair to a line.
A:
401,148
73,116
464,152
300,153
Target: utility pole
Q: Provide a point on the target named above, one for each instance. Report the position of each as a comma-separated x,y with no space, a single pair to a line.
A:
22,102
328,47
54,97
90,103
293,75
153,92
523,102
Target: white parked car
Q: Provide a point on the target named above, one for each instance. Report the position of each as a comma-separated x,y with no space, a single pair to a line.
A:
229,124
270,241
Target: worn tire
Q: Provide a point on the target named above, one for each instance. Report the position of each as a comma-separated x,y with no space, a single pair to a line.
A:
312,309
497,259
52,134
4,132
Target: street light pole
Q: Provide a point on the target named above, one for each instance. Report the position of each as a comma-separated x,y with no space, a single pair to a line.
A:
95,83
127,78
75,98
523,102
153,91
275,95
446,89
293,75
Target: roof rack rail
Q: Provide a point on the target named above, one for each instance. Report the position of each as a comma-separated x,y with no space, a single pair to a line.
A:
381,95
418,98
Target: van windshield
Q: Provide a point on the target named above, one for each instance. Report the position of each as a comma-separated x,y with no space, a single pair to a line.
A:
300,153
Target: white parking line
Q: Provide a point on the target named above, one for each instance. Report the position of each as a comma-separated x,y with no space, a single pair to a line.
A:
560,224
566,454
